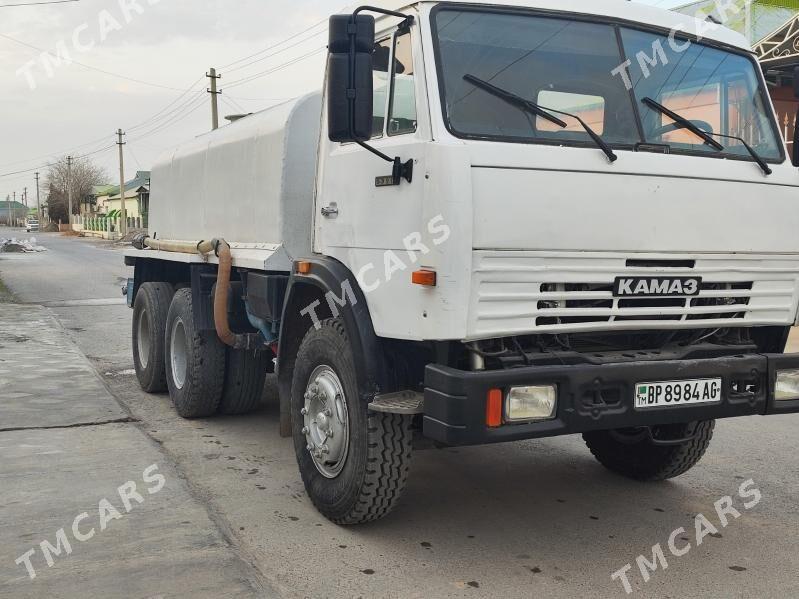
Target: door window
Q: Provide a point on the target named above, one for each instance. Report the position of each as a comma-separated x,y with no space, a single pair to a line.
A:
380,74
402,114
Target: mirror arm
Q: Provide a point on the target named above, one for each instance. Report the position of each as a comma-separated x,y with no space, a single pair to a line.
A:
374,151
407,19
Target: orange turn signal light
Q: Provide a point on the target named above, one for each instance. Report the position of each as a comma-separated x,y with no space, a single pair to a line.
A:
426,278
494,408
303,268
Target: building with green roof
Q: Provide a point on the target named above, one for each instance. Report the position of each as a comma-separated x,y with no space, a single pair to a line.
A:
137,197
17,210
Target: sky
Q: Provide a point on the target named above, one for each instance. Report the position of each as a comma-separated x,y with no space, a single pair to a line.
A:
139,65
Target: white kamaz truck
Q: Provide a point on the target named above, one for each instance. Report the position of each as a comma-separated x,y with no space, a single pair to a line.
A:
499,221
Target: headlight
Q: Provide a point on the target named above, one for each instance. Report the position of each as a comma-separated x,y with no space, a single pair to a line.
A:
787,387
528,404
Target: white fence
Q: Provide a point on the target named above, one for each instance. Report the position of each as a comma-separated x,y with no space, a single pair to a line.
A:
108,228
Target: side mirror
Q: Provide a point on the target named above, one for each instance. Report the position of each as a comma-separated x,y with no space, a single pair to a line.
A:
350,85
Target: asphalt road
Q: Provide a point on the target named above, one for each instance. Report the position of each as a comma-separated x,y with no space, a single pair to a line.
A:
530,519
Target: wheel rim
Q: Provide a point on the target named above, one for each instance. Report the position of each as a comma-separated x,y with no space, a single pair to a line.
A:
143,335
178,353
326,421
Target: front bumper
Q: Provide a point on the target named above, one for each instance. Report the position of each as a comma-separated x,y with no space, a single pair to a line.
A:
598,397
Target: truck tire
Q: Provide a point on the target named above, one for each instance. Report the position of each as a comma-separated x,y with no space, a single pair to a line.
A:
195,361
149,330
245,375
363,473
634,455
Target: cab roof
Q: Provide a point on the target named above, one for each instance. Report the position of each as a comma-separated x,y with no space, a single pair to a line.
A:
614,9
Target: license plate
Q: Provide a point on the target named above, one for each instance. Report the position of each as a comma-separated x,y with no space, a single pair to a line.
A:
677,393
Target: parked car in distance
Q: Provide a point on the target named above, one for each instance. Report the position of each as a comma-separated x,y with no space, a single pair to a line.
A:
32,225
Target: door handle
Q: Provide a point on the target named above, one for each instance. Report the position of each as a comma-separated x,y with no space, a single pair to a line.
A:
330,211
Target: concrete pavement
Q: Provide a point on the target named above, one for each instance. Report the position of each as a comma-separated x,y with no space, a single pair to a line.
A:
46,380
538,518
89,505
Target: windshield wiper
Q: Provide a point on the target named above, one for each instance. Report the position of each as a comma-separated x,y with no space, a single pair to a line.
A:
541,111
757,158
684,122
512,98
680,122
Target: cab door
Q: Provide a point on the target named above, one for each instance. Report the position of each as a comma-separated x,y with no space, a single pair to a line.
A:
353,209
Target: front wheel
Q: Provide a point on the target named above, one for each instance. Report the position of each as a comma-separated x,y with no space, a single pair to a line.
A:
353,462
651,454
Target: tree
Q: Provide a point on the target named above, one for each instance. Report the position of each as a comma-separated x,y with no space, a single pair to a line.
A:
85,174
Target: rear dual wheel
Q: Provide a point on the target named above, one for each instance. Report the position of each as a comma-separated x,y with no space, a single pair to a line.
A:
195,361
245,376
203,376
150,312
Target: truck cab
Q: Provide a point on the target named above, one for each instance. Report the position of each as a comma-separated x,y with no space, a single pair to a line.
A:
525,219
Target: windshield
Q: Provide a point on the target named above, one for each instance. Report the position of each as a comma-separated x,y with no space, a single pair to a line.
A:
573,66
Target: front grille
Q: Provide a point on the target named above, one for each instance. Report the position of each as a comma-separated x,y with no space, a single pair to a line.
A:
524,292
726,298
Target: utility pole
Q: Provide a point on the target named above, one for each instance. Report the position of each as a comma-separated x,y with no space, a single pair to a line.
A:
214,93
25,196
38,203
124,226
10,222
69,190
8,210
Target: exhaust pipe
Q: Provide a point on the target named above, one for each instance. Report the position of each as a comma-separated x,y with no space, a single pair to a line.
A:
222,250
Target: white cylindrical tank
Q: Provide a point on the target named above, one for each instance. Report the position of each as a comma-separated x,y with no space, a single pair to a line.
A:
249,182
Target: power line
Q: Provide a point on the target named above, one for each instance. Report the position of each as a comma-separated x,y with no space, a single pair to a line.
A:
271,47
258,99
199,103
177,99
136,160
61,153
233,104
177,110
38,3
185,110
43,166
91,68
274,69
289,47
164,116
